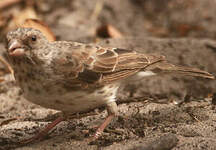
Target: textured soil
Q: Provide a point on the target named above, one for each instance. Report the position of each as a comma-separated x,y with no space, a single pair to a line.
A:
157,113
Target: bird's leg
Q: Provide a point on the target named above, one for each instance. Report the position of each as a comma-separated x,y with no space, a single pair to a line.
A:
44,132
112,110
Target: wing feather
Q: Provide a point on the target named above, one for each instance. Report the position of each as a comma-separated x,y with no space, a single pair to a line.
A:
94,64
114,60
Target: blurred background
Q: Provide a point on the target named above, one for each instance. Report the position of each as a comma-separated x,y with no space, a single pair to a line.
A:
83,19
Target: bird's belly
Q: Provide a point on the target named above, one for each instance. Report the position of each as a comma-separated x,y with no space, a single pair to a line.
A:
73,102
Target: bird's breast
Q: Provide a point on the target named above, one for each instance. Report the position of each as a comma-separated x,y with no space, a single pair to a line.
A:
58,98
46,90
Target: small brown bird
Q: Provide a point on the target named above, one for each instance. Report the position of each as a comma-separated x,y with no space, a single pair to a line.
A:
74,77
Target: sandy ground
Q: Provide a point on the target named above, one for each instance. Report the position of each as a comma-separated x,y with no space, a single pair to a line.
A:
149,118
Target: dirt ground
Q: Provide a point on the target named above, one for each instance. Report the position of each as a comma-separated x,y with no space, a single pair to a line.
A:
158,113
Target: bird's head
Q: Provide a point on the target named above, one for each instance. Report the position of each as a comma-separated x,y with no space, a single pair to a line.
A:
24,42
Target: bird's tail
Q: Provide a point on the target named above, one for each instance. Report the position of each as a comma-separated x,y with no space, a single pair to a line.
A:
167,67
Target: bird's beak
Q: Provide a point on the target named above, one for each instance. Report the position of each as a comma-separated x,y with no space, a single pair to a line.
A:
15,48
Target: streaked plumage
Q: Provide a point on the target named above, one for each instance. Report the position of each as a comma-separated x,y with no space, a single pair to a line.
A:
74,77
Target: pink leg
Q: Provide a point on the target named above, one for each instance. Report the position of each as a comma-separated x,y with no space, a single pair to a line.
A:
45,131
112,111
103,126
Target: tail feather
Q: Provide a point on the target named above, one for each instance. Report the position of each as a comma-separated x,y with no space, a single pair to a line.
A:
194,72
167,67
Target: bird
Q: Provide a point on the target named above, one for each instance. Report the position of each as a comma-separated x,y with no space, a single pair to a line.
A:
74,77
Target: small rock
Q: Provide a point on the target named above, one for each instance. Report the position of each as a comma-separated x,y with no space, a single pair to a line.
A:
165,142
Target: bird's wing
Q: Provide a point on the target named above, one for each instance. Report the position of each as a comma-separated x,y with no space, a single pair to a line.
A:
116,63
95,64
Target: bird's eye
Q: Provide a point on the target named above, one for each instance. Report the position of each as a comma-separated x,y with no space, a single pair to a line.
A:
34,38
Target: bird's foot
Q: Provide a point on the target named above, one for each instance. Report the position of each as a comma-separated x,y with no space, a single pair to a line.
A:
42,133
